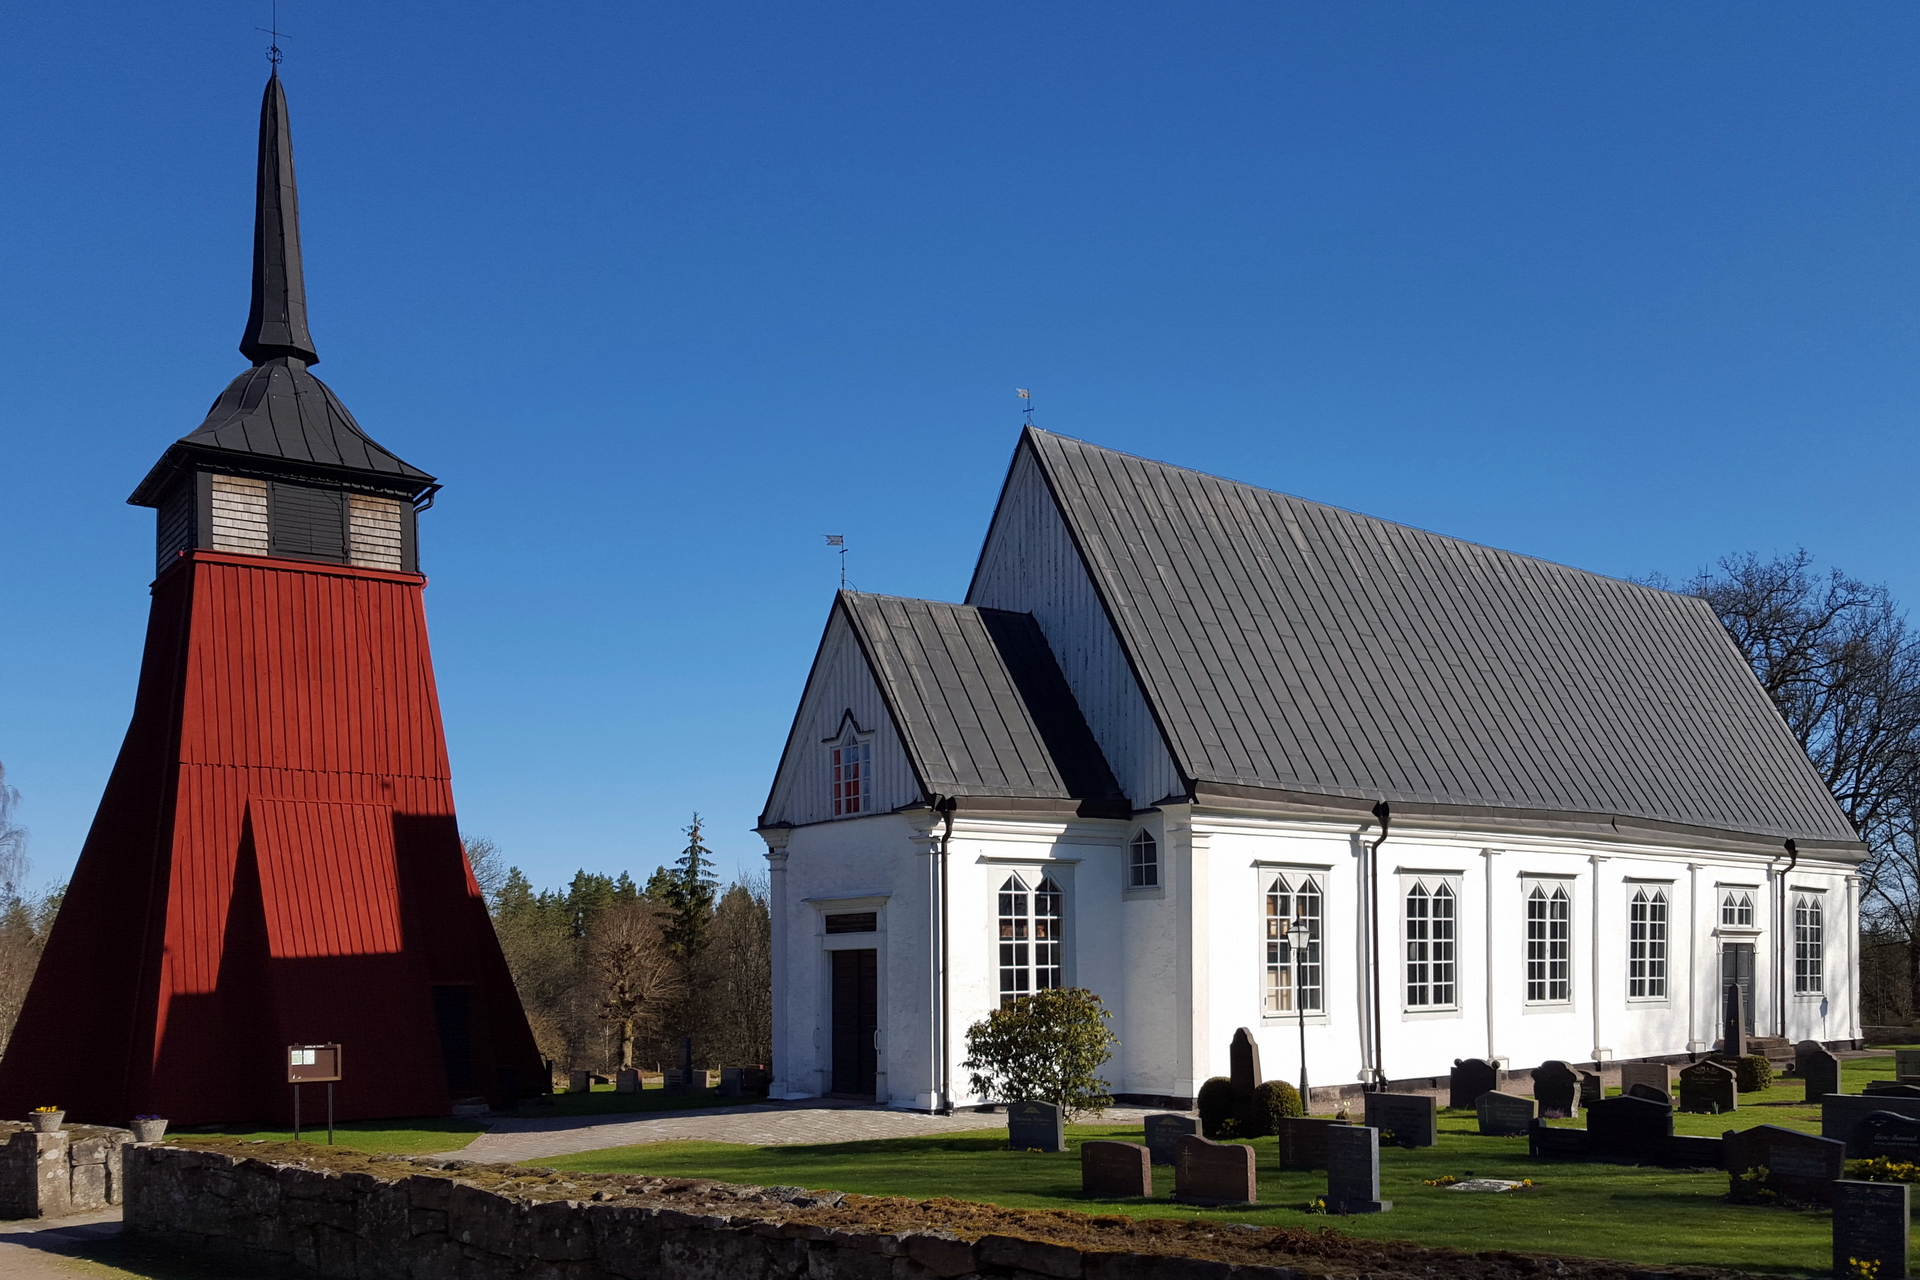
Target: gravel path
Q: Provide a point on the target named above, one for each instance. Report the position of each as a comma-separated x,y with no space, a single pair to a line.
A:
514,1140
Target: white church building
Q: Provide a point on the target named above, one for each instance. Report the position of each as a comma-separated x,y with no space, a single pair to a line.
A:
1522,811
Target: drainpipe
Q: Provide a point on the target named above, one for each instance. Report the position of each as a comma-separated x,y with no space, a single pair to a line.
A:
944,806
1385,814
1780,943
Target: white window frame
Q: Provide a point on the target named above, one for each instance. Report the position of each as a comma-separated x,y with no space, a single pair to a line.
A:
1029,935
1283,993
1429,944
1649,935
1539,946
1737,901
1809,943
1143,873
861,747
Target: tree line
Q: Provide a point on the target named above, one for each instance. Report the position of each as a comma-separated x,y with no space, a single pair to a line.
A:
613,973
25,916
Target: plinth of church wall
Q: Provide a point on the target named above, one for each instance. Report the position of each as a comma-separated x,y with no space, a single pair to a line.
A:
75,1169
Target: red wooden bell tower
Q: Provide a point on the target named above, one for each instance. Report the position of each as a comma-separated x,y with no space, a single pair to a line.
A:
276,859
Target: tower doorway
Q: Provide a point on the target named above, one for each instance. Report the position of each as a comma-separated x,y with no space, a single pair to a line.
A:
856,1019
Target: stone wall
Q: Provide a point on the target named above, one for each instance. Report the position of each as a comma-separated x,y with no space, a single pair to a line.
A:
433,1227
72,1170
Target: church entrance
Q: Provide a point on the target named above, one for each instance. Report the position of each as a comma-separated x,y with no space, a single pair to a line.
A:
856,1019
1736,970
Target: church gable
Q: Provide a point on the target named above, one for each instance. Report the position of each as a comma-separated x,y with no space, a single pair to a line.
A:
1029,564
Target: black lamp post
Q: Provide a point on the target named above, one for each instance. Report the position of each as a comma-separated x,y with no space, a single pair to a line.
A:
1299,934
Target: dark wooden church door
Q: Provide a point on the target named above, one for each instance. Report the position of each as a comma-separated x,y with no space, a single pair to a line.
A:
1736,970
856,1017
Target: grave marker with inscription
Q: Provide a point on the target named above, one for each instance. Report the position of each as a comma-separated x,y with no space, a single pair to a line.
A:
1818,1068
1412,1118
1303,1141
1870,1226
1208,1172
1655,1075
1115,1169
1591,1088
1505,1115
1557,1089
1243,1059
1841,1115
1353,1170
1629,1128
1708,1087
1036,1126
1799,1166
1164,1131
1470,1078
1650,1093
1883,1133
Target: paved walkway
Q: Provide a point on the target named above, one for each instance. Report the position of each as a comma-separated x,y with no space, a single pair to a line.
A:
32,1249
766,1124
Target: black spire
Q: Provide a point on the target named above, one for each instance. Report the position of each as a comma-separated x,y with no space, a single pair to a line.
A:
277,325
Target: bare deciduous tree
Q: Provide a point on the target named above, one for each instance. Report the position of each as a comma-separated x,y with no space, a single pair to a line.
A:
637,973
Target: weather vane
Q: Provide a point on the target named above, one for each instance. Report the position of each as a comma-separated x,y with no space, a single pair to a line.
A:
840,540
1026,395
273,50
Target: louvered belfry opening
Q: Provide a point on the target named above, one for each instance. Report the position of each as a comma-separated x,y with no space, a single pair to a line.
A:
276,859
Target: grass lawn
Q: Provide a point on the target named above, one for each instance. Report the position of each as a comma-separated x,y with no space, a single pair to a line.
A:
1640,1215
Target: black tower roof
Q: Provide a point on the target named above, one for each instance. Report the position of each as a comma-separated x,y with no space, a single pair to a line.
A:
277,417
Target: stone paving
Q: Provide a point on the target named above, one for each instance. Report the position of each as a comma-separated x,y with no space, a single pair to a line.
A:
515,1140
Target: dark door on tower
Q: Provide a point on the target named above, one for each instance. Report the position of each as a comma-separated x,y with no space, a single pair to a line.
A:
1736,969
453,1017
856,1016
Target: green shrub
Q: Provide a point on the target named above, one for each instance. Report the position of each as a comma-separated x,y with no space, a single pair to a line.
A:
1217,1110
1046,1047
1752,1073
1271,1103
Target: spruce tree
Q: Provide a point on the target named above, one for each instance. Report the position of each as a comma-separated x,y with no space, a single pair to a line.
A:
690,896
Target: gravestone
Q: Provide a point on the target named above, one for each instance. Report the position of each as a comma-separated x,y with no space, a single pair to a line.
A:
1733,1024
1885,1134
579,1082
1243,1058
1870,1226
1353,1170
1687,1152
1906,1064
1591,1088
1164,1132
1841,1115
1655,1075
1544,1142
1303,1141
732,1082
1556,1089
1505,1115
1799,1166
1412,1118
1470,1078
1892,1089
1115,1169
1818,1068
1036,1126
627,1081
1650,1093
1627,1128
1708,1086
1208,1172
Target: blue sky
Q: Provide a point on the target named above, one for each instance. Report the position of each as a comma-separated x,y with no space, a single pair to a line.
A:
665,293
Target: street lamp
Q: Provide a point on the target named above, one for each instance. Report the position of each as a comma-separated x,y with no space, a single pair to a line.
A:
1299,933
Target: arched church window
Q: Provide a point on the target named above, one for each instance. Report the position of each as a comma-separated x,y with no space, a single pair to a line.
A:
1143,861
1549,944
1030,938
1292,974
1736,909
1430,942
1809,929
1647,945
852,765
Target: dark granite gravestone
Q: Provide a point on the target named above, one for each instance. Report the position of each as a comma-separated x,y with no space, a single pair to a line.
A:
1799,1166
1544,1142
1885,1134
1412,1118
1115,1169
1906,1064
1557,1089
1733,1024
1303,1141
1819,1069
579,1082
1208,1172
1353,1170
1891,1089
1841,1115
627,1080
1650,1093
1164,1132
1709,1087
1684,1151
1870,1226
1036,1126
1243,1058
1627,1128
1470,1078
1591,1088
1504,1115
1655,1075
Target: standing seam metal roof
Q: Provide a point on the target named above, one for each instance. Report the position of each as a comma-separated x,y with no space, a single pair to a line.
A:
1288,645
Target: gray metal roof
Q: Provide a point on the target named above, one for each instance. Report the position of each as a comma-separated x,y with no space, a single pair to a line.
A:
1287,645
979,700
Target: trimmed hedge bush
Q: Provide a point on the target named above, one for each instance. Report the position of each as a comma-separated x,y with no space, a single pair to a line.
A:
1217,1118
1272,1102
1752,1073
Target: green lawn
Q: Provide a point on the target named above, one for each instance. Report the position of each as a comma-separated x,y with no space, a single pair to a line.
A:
399,1137
1641,1215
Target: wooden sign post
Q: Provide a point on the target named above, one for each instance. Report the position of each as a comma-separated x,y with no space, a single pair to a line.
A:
312,1064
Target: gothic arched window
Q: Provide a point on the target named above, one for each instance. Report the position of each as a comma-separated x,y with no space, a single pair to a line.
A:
1292,974
1030,938
1143,861
1647,945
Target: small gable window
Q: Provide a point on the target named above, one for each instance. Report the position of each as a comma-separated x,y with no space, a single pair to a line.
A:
1736,909
852,767
1029,938
1143,861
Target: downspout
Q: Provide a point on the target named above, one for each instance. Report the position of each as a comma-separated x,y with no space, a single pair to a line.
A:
1780,943
1385,814
944,806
